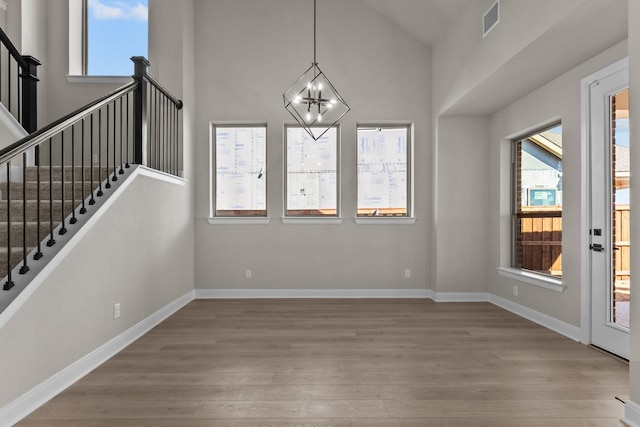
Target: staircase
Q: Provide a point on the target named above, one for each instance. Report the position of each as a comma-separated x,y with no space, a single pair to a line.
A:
50,213
136,124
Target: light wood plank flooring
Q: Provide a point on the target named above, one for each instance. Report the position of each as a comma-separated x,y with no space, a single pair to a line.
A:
345,363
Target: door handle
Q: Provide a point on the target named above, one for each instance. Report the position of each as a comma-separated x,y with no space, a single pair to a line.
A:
596,247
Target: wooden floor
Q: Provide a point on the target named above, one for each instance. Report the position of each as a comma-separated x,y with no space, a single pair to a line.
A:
345,363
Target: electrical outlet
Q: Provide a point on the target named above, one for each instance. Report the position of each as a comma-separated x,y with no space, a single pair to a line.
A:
116,311
407,273
515,291
247,273
95,158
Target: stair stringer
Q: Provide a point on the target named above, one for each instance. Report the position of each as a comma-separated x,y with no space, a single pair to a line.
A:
137,250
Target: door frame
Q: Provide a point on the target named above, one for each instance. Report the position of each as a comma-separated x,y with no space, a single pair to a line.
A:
585,211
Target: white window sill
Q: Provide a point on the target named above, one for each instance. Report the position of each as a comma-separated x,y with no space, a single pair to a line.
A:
532,278
311,220
238,220
99,79
385,220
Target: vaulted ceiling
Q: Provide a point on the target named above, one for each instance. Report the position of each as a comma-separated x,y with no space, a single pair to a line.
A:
424,19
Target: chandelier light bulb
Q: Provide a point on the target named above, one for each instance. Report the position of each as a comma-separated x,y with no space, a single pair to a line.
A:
308,116
319,117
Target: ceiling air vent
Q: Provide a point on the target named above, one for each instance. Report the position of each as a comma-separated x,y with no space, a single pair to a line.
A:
491,18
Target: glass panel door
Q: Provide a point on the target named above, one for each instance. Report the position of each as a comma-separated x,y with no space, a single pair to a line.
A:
620,214
609,211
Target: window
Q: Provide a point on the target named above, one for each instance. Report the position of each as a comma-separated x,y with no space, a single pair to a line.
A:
384,171
240,170
108,34
537,212
312,173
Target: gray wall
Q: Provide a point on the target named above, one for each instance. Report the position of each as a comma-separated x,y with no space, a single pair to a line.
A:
461,204
558,99
251,51
71,313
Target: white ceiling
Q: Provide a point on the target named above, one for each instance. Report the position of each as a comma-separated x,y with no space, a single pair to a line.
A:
424,19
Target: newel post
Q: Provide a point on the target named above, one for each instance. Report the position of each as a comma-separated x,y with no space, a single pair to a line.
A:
30,80
140,110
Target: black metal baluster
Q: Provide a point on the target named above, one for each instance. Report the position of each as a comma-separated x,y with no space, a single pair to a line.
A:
92,201
38,253
161,134
83,209
157,130
25,268
121,137
63,228
100,193
107,184
9,83
128,165
73,219
177,139
158,164
115,168
165,132
9,283
152,127
51,241
170,135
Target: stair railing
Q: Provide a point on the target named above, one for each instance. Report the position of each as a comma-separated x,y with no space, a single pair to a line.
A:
76,159
18,84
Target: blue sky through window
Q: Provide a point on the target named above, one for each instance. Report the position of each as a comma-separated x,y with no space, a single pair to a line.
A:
118,30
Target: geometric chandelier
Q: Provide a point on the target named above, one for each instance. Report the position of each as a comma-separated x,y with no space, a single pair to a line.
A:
312,100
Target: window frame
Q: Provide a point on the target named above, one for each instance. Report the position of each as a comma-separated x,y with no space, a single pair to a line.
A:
287,217
409,217
532,276
78,70
214,216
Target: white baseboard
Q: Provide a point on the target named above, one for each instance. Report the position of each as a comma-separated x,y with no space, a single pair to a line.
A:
341,293
460,297
311,293
542,319
45,391
631,414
